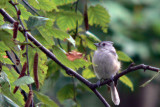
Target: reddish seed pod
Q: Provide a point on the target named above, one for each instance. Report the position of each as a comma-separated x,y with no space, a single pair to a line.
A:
15,29
22,47
29,99
18,12
35,70
17,61
86,18
21,75
15,89
23,70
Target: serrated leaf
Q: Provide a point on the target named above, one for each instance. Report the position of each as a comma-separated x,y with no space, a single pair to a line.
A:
66,92
123,57
78,63
49,33
24,80
63,2
24,13
124,79
35,21
98,15
87,73
45,5
45,99
147,82
67,20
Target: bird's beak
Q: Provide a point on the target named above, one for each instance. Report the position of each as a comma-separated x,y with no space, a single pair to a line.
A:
96,44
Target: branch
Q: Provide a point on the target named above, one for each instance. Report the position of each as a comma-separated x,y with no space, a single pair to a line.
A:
126,71
69,71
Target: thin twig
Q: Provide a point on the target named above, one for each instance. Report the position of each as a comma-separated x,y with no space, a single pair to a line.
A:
28,5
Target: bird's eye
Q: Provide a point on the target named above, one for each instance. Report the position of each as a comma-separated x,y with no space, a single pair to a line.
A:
103,44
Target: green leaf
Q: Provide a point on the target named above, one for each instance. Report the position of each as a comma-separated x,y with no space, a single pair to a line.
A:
70,103
76,64
24,80
123,57
147,82
63,2
67,20
49,32
13,76
3,47
3,3
45,5
66,92
1,20
98,15
45,99
124,79
7,90
3,59
17,98
87,73
88,42
6,38
24,13
35,21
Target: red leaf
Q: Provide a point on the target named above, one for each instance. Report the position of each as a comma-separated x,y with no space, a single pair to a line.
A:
74,55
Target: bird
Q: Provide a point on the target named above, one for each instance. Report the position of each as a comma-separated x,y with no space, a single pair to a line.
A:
106,65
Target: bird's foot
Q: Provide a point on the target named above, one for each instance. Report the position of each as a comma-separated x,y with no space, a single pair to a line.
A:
99,82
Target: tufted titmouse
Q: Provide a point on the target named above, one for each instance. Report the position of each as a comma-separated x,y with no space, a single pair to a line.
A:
106,65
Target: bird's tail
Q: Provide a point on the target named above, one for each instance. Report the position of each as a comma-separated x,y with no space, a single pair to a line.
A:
114,94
